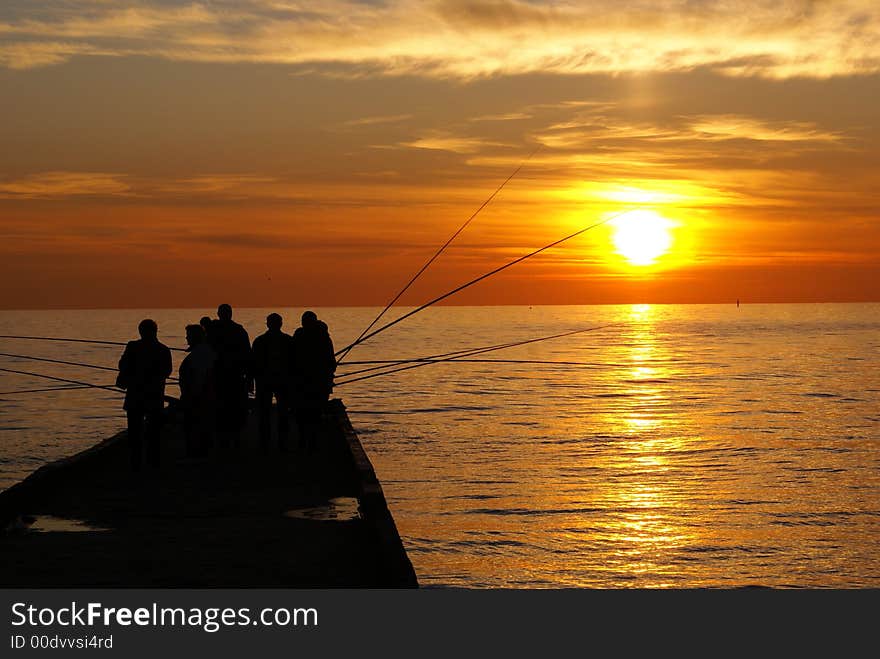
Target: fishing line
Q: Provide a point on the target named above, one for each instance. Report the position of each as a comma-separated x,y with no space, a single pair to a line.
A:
399,362
455,355
342,353
470,352
391,363
67,363
481,278
52,377
45,389
476,351
57,361
95,341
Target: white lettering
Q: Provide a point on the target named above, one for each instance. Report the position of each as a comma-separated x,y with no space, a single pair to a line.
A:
16,612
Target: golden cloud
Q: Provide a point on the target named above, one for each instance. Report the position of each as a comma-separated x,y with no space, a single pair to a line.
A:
64,184
462,38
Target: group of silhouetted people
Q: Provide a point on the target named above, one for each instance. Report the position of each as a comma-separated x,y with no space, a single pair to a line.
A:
216,376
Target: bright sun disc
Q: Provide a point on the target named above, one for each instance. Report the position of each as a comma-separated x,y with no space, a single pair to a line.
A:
642,236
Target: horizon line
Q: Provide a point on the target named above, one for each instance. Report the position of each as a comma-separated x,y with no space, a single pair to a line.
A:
733,302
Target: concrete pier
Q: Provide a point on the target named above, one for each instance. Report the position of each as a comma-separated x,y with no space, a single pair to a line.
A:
238,518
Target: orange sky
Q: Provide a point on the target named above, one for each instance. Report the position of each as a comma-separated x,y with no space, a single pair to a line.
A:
168,154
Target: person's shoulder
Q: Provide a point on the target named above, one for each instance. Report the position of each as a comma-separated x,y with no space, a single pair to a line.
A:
205,351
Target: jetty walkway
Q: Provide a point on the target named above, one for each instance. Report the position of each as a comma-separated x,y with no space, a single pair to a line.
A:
239,518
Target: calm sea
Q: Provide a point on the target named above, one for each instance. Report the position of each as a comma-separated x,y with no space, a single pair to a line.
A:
689,446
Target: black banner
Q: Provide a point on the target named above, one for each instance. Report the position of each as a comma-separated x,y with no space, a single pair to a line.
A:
269,623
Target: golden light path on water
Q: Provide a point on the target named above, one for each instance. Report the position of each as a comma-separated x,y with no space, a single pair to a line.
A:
694,446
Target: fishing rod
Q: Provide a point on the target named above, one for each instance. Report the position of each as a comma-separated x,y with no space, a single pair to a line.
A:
342,353
57,361
83,385
480,278
391,363
52,377
498,361
476,351
470,352
94,341
66,363
45,389
398,362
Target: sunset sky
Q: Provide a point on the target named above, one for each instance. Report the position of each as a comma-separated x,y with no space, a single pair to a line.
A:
269,152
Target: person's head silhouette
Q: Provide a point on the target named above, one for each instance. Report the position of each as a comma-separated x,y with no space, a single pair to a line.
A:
309,318
195,335
148,329
224,312
274,321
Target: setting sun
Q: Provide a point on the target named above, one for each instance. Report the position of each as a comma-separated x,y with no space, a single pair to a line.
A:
642,236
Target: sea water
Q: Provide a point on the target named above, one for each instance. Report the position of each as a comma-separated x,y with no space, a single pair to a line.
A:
682,446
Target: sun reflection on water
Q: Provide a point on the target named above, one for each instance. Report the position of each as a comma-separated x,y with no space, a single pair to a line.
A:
645,492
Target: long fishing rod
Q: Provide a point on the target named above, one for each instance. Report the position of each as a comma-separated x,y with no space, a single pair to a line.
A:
66,340
57,361
477,351
470,352
66,363
403,290
391,363
52,377
481,278
71,387
398,362
84,385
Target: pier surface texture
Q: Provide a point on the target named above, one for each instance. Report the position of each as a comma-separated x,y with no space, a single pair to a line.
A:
238,518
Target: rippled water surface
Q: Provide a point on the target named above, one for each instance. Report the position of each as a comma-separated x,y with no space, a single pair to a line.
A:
687,446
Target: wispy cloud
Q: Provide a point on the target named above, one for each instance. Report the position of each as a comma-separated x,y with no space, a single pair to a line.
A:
372,121
508,116
460,38
584,130
64,184
217,183
724,127
453,143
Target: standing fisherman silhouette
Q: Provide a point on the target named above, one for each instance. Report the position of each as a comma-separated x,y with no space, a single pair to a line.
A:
313,366
232,345
270,368
143,368
197,392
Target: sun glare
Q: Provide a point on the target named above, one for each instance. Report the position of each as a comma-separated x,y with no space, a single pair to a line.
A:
642,236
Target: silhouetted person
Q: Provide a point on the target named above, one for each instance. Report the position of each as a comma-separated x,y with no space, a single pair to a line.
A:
197,392
313,366
205,323
232,345
270,368
143,369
